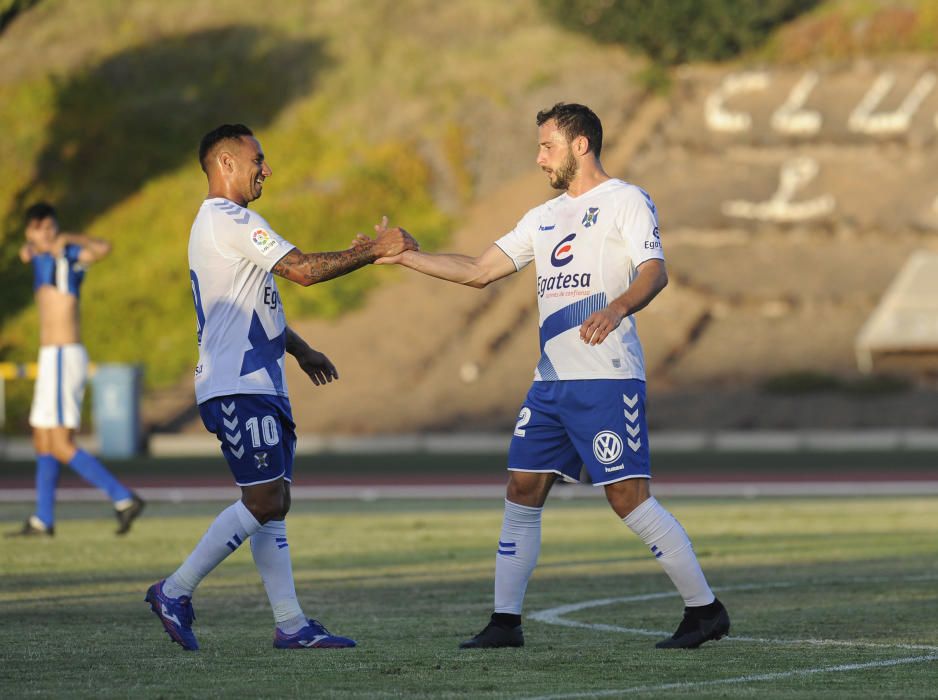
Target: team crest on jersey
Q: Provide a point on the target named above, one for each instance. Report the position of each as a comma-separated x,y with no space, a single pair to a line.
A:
589,218
607,447
562,253
263,241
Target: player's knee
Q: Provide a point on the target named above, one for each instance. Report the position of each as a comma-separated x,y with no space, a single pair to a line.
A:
626,496
264,511
528,489
41,443
266,505
62,451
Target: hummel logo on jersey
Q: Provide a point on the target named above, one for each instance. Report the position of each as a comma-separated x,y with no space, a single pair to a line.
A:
546,228
562,254
607,447
233,210
169,617
590,217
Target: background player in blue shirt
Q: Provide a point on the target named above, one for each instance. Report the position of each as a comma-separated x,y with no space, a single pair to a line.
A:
597,250
59,261
240,382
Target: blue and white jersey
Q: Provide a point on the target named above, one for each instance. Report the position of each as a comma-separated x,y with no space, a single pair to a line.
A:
63,271
241,326
586,250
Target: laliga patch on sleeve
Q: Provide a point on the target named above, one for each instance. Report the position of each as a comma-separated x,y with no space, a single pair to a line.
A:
263,241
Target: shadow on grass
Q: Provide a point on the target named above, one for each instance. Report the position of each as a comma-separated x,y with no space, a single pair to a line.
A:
141,113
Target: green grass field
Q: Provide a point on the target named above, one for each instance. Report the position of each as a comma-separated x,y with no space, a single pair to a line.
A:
832,597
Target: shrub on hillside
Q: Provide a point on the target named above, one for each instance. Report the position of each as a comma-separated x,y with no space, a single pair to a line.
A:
676,31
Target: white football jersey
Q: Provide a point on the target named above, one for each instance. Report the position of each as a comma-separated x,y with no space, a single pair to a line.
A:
586,251
241,326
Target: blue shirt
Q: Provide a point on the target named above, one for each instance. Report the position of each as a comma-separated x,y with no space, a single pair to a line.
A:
64,272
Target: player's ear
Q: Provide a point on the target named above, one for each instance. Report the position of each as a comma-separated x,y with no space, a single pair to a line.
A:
225,161
581,145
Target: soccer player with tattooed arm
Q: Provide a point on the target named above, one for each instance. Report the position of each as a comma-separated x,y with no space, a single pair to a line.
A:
597,251
234,256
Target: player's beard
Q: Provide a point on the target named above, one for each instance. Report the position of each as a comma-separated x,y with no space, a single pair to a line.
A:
561,178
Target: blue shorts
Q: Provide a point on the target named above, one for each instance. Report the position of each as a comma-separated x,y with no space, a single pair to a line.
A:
599,423
257,435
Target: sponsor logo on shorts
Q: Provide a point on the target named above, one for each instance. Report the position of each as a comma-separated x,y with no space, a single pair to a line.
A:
607,447
617,468
262,241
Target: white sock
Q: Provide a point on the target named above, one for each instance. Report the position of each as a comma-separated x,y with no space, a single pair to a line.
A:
518,549
272,557
658,529
232,527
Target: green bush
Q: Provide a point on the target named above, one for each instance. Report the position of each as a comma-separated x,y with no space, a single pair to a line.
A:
676,31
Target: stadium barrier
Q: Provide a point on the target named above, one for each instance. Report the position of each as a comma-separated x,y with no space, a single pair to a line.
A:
115,403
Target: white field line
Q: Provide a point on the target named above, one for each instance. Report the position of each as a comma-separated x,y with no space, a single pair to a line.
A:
555,616
755,678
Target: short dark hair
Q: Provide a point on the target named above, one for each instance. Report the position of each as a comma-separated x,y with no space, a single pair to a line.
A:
575,120
220,133
40,211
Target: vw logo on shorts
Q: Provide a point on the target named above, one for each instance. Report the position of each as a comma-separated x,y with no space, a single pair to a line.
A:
607,446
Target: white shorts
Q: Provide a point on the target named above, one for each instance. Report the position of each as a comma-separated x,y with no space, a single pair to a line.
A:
60,386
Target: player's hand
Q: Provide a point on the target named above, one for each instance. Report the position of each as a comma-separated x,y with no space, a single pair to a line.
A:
361,240
600,324
390,243
28,252
317,366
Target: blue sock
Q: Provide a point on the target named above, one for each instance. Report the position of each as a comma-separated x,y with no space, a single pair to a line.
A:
47,479
92,471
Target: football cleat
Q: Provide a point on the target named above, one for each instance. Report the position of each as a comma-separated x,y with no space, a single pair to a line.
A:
313,636
126,516
494,636
176,614
700,624
33,527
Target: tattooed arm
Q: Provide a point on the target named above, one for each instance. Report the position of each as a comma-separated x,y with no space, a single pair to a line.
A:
311,268
317,366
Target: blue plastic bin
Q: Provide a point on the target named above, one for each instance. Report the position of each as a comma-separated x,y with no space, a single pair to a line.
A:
116,409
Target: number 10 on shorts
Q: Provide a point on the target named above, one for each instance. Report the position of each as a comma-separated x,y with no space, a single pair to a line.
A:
265,427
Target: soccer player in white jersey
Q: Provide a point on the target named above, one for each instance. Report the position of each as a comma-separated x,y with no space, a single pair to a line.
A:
59,261
597,251
240,382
